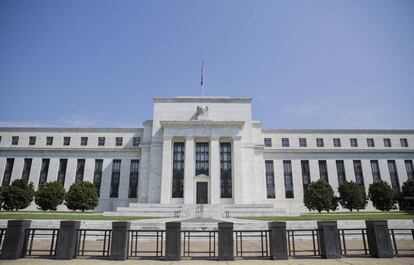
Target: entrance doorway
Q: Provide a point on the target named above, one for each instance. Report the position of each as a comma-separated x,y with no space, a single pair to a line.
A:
202,196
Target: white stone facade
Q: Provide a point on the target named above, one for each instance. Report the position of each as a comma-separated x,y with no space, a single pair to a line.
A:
212,121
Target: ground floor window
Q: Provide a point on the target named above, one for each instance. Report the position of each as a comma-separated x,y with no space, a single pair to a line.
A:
133,179
225,170
178,171
287,170
116,173
97,175
270,179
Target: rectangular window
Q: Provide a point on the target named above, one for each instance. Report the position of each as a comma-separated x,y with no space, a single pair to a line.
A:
118,141
410,169
302,142
133,179
387,142
395,183
323,170
44,170
101,141
359,176
84,141
66,140
178,171
319,142
354,142
287,169
32,140
340,169
27,166
285,142
376,175
270,179
370,142
268,142
202,159
305,173
97,175
337,142
116,174
15,140
49,140
80,170
0,138
404,142
136,141
8,172
225,170
63,164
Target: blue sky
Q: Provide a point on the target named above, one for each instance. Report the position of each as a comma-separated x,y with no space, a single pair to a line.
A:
306,64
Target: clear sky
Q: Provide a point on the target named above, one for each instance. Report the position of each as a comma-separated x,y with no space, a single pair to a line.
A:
306,64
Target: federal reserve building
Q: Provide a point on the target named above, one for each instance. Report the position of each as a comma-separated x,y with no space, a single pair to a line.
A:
204,154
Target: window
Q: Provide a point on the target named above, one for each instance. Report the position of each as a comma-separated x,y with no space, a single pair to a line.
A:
133,179
319,142
370,142
323,170
118,141
305,173
302,142
270,179
66,140
97,175
410,169
136,141
337,142
395,183
225,170
404,142
32,140
49,140
63,163
268,142
116,174
340,169
15,140
285,142
44,169
178,171
287,169
8,172
387,142
202,159
84,140
80,170
354,142
359,177
376,175
101,141
0,138
27,166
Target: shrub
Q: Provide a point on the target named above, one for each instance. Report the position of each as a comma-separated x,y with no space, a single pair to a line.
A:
352,196
318,196
408,188
335,204
82,196
382,195
49,196
18,195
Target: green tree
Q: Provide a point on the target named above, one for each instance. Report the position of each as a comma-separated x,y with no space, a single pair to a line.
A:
49,196
319,196
82,196
382,195
408,188
352,196
18,195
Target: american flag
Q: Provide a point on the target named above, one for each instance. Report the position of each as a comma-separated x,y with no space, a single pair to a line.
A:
202,74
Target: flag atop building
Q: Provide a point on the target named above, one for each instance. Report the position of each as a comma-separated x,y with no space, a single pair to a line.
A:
202,78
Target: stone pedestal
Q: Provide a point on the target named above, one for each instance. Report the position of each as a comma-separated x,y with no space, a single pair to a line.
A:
225,241
379,239
119,241
68,237
173,241
278,241
329,240
14,240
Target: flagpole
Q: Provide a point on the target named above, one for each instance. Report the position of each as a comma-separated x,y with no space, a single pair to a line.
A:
202,79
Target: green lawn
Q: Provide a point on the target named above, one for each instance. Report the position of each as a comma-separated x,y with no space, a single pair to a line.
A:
339,216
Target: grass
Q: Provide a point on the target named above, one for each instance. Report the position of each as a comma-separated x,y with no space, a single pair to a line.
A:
339,216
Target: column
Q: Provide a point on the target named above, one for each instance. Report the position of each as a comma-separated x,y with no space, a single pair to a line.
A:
225,241
13,244
329,241
278,241
189,171
17,169
166,173
215,170
119,243
68,236
379,240
237,171
172,240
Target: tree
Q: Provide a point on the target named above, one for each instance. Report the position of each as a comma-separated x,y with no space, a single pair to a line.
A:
408,188
82,196
49,196
319,196
335,204
382,195
18,195
352,196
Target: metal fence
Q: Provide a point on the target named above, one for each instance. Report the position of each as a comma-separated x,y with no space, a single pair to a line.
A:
146,243
252,243
41,241
94,242
353,241
303,242
203,246
402,241
2,234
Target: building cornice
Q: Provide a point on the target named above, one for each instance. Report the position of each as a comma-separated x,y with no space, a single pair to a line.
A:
339,151
340,131
201,124
40,149
202,100
65,129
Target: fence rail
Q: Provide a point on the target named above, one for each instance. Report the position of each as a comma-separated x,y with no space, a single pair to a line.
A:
252,243
402,247
296,236
2,234
146,243
93,242
353,237
41,241
203,238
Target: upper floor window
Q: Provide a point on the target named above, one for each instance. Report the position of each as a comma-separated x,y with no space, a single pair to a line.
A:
101,141
370,142
319,142
337,142
118,141
32,140
354,142
84,140
202,158
49,140
15,140
302,142
66,140
268,142
136,141
404,142
285,142
387,142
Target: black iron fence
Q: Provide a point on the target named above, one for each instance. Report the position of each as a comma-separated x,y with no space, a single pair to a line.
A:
94,242
146,243
402,241
353,241
41,241
201,244
2,234
252,243
303,242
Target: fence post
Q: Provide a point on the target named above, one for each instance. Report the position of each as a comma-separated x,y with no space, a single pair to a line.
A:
225,241
278,240
329,239
379,239
67,239
119,240
14,244
173,241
